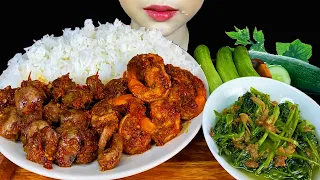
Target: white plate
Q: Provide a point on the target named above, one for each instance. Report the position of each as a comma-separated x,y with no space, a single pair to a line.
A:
228,93
128,165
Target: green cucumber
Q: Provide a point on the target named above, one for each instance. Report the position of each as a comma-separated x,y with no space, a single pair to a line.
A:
243,62
279,73
224,64
203,57
304,76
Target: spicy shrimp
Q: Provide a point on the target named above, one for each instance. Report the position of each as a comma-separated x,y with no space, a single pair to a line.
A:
109,112
135,139
129,104
166,117
135,127
123,104
89,147
147,78
103,114
110,157
187,90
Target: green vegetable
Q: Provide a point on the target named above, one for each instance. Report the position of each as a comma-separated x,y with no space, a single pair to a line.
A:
279,73
285,110
281,145
243,38
296,49
270,120
243,62
306,138
304,76
224,64
202,56
246,104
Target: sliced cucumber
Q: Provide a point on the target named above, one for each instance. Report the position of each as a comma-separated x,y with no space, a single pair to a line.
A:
304,76
279,73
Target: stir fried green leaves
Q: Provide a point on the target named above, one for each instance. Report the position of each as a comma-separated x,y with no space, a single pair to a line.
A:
267,138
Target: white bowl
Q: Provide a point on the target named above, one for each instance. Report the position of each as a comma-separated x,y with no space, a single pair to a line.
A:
228,93
128,165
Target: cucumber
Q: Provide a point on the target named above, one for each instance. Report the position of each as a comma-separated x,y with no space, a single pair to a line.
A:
203,57
224,64
243,62
279,73
304,76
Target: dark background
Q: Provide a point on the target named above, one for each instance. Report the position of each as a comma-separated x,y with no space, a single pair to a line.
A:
280,21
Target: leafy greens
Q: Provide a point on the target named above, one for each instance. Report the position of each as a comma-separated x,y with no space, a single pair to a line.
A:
267,138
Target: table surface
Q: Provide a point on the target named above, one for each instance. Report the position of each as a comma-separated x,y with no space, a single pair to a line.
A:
195,161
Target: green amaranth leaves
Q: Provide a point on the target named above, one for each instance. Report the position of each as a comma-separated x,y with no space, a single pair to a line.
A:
296,49
243,38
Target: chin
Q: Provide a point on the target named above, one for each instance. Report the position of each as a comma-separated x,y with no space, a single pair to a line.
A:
166,33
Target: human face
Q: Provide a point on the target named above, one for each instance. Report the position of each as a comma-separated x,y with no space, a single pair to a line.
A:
166,15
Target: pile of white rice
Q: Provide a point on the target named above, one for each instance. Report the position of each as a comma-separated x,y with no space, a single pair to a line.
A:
83,52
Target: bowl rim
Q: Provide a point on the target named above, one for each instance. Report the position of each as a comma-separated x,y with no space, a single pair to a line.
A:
220,159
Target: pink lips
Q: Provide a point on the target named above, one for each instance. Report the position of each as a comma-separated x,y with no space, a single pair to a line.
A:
160,13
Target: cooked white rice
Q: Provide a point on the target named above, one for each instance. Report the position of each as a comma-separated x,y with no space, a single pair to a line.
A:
83,52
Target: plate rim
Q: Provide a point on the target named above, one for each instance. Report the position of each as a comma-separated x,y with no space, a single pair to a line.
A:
131,172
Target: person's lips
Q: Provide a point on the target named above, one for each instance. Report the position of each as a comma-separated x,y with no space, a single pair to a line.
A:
160,13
